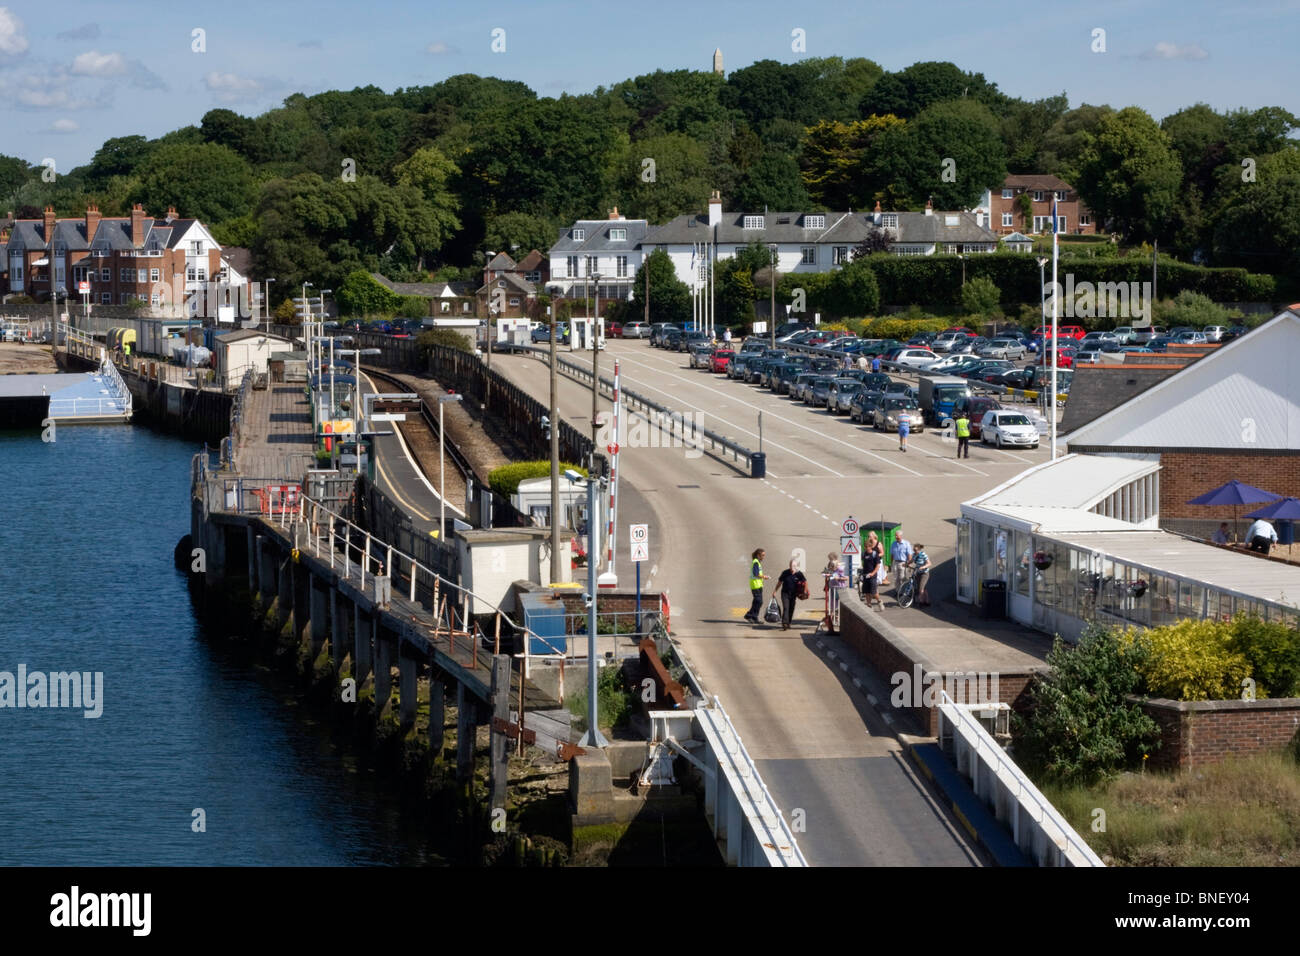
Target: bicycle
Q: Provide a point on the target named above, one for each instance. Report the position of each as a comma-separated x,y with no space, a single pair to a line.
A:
907,590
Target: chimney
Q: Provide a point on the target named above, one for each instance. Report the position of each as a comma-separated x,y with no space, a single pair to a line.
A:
875,216
615,214
929,208
92,222
171,213
715,208
137,225
49,223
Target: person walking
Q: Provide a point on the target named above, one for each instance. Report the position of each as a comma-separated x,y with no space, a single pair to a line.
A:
726,335
875,363
904,428
962,424
1261,536
791,584
756,579
872,555
921,573
900,552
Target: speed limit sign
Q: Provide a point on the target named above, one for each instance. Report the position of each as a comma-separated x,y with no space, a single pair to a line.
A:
640,532
849,527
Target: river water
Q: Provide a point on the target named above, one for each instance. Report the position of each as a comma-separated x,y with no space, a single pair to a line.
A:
87,584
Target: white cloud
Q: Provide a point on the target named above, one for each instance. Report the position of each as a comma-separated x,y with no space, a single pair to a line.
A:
94,63
88,32
48,89
233,88
13,41
64,126
438,48
1172,51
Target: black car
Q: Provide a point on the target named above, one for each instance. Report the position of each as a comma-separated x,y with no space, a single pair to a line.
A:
863,407
1234,332
671,339
659,330
783,375
922,339
691,338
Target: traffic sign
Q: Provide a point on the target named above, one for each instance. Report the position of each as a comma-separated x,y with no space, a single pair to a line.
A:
849,546
83,287
849,527
612,449
640,551
640,532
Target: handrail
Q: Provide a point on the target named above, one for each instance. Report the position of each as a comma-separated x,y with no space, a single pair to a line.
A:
987,750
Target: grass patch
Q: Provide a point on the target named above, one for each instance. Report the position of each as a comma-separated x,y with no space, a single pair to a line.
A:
613,700
1242,812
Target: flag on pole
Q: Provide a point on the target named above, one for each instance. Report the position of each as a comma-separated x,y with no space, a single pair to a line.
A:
1055,219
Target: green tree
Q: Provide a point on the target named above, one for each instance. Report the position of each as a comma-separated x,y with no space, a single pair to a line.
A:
915,89
519,233
430,172
979,296
852,290
120,156
14,173
227,128
1024,127
670,298
773,182
952,153
1129,174
1068,139
677,179
842,163
1081,727
204,181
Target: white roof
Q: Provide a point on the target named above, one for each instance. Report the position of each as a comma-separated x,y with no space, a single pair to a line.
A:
1243,396
1216,567
1054,497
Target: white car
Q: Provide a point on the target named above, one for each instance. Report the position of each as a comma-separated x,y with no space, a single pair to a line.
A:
915,358
1214,333
1003,428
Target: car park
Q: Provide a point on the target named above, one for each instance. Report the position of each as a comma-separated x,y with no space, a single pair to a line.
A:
924,339
783,376
888,413
1092,342
798,383
1159,343
989,371
614,330
1088,357
818,391
1143,334
1064,358
944,341
1002,427
1123,333
1190,338
671,339
720,359
738,367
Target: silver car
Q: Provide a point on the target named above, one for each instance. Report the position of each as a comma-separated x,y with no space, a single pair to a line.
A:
1003,349
892,409
841,395
701,354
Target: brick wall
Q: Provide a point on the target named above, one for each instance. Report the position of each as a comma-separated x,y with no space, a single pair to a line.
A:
1197,733
1186,474
888,652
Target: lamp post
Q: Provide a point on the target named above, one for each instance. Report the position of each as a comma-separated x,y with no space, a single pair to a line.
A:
266,304
775,249
962,259
442,466
1042,315
595,377
312,362
593,737
357,404
553,424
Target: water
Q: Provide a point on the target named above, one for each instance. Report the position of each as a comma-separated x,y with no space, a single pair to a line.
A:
87,583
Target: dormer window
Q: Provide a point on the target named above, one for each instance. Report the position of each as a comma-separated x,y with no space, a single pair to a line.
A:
814,222
752,222
579,235
950,220
618,235
889,220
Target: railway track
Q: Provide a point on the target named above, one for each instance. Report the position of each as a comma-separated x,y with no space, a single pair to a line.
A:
430,417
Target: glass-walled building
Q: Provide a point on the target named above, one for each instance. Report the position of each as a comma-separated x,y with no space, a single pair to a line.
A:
1077,540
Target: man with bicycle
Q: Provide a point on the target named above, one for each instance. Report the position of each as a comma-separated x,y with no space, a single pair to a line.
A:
921,575
900,553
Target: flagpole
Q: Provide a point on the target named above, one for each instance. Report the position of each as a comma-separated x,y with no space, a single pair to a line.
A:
1051,411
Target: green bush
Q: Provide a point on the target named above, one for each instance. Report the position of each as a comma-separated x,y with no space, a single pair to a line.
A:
890,327
413,307
1190,660
1080,727
1273,652
505,480
980,296
448,338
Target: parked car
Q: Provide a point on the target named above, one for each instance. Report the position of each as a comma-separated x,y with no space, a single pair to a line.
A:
1006,427
738,366
1143,334
635,330
944,341
614,330
701,354
671,339
862,407
1003,348
841,395
1088,357
1234,332
1123,333
1214,333
659,330
891,410
1130,349
783,375
541,333
1064,358
1093,341
1190,338
914,358
974,408
922,339
720,359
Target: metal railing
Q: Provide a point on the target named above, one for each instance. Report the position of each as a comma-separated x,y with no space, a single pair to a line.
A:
231,444
1036,826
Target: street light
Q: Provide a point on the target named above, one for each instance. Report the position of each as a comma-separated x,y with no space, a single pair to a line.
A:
312,360
593,737
266,304
594,333
442,466
962,259
1042,314
772,268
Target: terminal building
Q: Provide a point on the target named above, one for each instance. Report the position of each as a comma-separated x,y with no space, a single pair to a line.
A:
1105,533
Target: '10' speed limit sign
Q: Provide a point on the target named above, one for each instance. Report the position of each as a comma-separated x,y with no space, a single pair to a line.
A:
640,532
850,527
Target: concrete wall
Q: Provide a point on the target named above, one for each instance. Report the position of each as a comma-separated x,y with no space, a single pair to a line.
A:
1197,733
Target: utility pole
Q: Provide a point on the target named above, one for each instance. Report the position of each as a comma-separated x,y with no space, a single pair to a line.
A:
647,290
772,318
595,387
1155,257
555,448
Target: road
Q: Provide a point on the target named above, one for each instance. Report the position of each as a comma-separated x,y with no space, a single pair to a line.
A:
820,747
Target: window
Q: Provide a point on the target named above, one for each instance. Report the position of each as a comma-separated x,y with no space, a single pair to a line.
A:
464,306
154,275
78,273
808,256
571,266
592,265
1042,223
618,235
752,222
58,272
533,276
16,272
126,275
950,248
1060,224
1038,195
142,275
514,300
814,222
106,298
889,220
621,267
196,248
105,275
839,255
579,235
446,306
1085,219
1060,195
1008,193
154,299
1006,219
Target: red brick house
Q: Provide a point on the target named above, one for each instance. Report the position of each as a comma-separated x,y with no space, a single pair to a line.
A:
509,286
1000,210
121,258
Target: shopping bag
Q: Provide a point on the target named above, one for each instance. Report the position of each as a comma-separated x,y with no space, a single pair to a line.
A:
773,613
803,590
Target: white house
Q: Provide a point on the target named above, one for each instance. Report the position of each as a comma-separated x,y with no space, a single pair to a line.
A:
609,248
237,351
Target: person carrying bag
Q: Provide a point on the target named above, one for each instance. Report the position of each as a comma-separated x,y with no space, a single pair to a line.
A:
793,586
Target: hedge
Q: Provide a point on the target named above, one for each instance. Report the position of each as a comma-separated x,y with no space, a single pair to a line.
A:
1209,660
931,280
505,480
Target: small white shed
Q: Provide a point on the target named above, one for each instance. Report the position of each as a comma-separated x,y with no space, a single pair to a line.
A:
237,351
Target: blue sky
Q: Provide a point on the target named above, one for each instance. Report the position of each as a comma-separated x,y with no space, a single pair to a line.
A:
74,73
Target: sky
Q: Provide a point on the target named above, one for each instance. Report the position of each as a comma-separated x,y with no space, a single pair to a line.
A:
75,73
